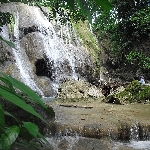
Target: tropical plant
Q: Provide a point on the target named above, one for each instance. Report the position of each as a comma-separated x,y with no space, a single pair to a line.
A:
15,92
21,96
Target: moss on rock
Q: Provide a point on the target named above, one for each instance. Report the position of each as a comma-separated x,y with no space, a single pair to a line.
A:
133,93
88,40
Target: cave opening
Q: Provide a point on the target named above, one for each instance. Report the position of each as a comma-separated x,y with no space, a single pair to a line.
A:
44,68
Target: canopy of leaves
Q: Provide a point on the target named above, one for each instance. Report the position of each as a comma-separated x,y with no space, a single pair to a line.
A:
127,23
76,9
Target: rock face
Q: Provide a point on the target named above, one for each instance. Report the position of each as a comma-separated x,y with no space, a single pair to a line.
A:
46,52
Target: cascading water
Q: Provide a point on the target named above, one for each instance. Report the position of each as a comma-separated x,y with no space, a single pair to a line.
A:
134,132
138,140
56,50
46,51
22,61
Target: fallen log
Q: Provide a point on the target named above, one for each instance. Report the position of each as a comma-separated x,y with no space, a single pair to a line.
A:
76,106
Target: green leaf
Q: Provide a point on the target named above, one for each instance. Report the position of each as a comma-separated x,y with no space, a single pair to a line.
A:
25,89
20,103
9,137
28,91
31,128
9,114
7,82
8,42
71,4
42,137
2,119
104,4
85,10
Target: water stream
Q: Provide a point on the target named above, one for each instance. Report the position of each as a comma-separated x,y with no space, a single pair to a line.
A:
22,61
57,51
77,142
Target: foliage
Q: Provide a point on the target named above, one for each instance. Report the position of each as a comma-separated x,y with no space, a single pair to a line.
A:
6,18
12,90
76,9
126,24
140,60
141,20
67,9
135,92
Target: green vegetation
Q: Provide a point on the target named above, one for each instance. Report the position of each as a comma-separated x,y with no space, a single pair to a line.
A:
133,93
126,25
135,58
19,95
14,93
88,40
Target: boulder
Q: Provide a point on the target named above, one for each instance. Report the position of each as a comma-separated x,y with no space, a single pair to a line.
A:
78,89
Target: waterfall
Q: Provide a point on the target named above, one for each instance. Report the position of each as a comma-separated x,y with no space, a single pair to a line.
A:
22,61
57,50
47,52
138,132
134,132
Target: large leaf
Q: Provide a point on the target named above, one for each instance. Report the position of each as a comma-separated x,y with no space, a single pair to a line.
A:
42,137
25,89
8,42
105,4
28,91
31,128
20,103
9,137
9,114
7,84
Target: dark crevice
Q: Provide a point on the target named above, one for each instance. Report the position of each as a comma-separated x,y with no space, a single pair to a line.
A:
29,29
44,68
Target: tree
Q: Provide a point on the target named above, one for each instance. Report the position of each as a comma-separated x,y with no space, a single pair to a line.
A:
76,10
126,24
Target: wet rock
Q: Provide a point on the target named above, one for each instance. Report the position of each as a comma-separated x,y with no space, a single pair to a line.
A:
43,48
